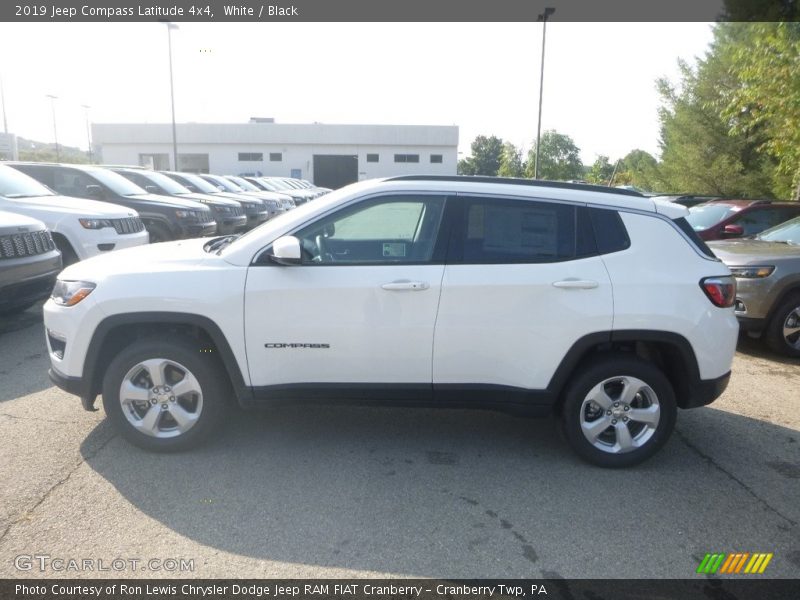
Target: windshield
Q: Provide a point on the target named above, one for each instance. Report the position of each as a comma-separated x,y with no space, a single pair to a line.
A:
788,232
116,182
703,216
229,186
14,184
201,184
277,184
170,186
244,184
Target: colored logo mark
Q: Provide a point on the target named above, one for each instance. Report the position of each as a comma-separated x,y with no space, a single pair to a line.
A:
738,562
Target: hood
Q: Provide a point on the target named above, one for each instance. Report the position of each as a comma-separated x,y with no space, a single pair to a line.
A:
743,252
67,205
208,199
149,258
170,201
14,223
241,198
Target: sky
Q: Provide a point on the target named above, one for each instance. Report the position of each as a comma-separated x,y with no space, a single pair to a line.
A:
599,82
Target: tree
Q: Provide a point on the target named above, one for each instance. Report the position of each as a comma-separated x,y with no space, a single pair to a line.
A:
600,172
765,59
485,158
559,158
511,162
641,170
699,153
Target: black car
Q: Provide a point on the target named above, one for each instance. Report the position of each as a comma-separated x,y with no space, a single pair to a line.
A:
165,218
228,214
254,208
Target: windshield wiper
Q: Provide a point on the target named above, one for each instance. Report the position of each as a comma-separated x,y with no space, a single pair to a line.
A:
24,195
219,243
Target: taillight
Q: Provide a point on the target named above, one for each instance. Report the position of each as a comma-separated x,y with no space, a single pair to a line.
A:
720,290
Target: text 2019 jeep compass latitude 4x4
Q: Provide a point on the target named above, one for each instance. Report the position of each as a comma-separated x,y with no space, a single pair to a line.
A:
599,305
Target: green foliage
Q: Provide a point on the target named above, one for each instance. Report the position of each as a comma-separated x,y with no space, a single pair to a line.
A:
600,172
485,157
511,162
559,158
766,98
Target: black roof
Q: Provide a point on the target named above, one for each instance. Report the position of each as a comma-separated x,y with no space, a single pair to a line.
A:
519,181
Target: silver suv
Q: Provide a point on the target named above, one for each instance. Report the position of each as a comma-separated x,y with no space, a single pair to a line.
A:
767,271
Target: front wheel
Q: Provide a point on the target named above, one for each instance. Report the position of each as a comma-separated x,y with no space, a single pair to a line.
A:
164,394
618,411
783,331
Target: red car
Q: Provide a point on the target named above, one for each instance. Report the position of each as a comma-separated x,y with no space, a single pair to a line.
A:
726,219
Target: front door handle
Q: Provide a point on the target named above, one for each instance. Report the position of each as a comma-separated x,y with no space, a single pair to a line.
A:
414,286
576,284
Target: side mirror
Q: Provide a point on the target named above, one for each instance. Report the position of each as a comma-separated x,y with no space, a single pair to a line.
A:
94,191
151,189
733,231
286,251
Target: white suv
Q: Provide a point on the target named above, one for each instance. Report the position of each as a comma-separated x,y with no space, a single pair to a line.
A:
598,305
80,228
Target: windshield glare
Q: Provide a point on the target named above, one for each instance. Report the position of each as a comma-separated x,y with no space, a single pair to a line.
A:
785,232
116,182
14,183
703,216
244,184
227,185
170,186
201,184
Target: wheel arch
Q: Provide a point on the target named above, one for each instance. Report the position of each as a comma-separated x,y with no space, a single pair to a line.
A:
670,352
117,331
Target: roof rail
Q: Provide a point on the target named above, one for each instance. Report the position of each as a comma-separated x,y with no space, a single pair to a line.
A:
518,181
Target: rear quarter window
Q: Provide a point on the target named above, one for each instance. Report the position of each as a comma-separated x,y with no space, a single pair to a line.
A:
609,231
684,226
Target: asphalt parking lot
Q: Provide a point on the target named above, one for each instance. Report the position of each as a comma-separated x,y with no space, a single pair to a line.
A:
340,492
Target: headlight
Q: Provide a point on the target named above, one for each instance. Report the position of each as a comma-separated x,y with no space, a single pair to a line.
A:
69,293
222,209
95,223
752,272
186,214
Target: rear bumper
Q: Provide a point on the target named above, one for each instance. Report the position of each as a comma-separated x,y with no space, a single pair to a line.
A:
705,391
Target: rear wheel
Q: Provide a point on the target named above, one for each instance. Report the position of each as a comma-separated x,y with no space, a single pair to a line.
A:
164,394
618,411
783,331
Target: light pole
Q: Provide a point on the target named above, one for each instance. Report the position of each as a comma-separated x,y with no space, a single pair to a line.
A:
86,108
55,130
3,102
542,17
170,27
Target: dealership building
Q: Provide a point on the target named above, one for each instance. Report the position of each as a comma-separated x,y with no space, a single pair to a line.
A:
327,155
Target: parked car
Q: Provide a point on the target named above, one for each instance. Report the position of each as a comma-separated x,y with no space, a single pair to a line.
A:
29,262
299,196
725,219
271,201
589,303
80,228
687,200
295,184
228,214
767,271
254,210
164,218
284,200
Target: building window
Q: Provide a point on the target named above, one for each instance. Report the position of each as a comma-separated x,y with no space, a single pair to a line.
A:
275,156
372,158
157,162
251,156
406,158
436,158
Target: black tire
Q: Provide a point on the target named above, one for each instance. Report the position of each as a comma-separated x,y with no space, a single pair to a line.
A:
159,233
187,353
774,332
68,254
609,367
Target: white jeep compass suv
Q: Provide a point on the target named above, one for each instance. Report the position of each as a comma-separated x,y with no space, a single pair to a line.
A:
598,305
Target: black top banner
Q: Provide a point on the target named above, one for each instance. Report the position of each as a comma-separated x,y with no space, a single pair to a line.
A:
398,10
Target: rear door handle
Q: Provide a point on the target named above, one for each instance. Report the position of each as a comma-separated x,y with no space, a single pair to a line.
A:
414,286
576,284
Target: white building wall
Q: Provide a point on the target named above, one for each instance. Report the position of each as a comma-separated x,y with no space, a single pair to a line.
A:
297,144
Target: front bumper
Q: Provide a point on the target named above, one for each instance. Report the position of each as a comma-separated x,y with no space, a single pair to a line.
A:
74,386
195,230
254,219
29,279
228,225
106,239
